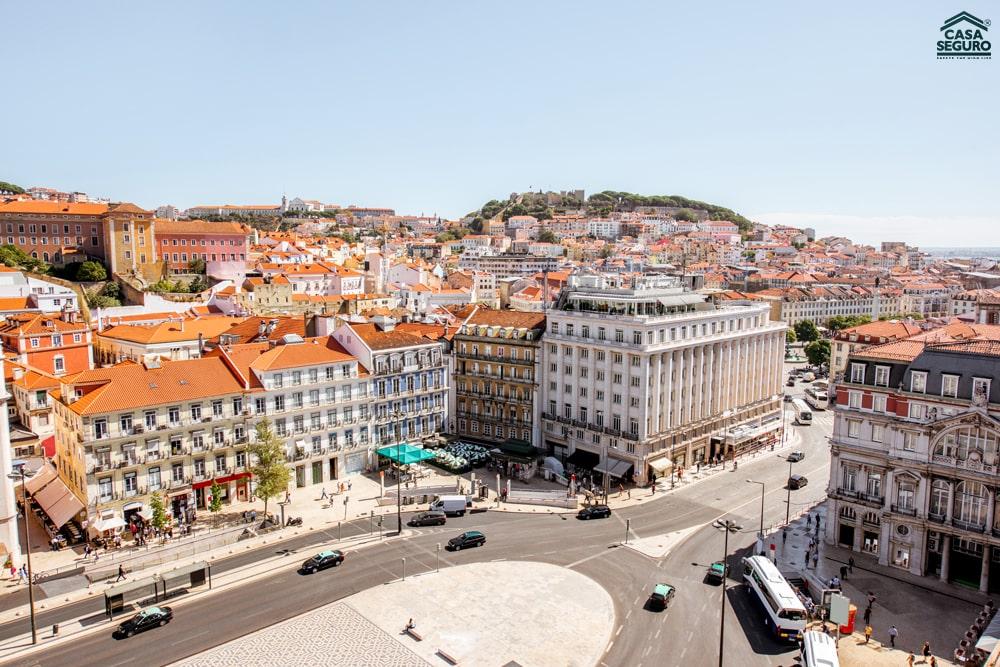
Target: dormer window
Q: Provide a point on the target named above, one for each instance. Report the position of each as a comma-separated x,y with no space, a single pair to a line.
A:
881,376
949,385
918,382
858,373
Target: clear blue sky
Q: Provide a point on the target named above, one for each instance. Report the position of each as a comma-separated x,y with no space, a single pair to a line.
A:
832,114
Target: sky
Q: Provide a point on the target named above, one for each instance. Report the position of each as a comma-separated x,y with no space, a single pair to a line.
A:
831,115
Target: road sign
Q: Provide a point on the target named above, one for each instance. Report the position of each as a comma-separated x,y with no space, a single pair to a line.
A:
840,606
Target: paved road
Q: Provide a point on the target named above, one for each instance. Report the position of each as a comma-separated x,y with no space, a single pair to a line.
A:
688,631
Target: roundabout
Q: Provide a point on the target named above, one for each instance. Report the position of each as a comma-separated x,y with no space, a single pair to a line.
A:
486,613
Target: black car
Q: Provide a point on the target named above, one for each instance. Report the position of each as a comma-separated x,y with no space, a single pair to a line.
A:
594,512
323,560
797,481
470,538
432,518
151,617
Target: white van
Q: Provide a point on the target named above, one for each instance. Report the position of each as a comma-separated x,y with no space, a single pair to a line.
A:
450,505
819,650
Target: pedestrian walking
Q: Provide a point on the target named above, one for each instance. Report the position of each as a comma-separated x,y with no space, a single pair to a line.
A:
850,564
925,650
323,496
933,662
871,599
868,632
868,615
784,536
349,484
121,573
843,572
817,524
629,494
909,660
815,560
22,574
892,636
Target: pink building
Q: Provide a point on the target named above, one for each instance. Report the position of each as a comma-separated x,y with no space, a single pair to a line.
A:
219,244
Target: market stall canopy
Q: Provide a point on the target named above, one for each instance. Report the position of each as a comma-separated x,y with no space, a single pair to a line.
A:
661,465
404,454
553,464
614,467
55,499
112,523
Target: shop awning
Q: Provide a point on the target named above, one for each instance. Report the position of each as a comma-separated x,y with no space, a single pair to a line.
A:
518,447
662,465
614,467
405,454
112,523
57,501
37,482
581,458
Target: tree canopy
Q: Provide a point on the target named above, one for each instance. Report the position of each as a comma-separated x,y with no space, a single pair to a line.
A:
16,258
818,352
91,272
10,188
216,503
806,331
159,512
790,335
838,322
270,470
546,235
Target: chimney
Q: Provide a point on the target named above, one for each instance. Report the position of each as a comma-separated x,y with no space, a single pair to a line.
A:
261,328
18,372
201,343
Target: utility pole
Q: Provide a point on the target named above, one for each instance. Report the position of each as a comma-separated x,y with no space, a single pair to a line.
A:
727,527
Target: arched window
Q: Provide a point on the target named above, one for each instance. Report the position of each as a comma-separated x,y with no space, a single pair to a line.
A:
968,442
970,502
848,513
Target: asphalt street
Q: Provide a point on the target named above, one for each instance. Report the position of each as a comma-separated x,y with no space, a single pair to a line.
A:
686,633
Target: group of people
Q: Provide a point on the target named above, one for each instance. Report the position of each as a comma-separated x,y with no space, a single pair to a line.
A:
18,574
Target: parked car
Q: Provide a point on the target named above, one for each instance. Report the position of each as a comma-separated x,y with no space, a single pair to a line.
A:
790,382
661,596
796,456
323,560
797,481
716,571
432,518
470,538
789,398
150,617
594,512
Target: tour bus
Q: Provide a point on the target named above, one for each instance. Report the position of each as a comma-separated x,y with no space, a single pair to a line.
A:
785,614
803,415
819,650
816,398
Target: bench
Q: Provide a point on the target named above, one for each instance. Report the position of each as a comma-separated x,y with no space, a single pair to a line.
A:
449,659
413,633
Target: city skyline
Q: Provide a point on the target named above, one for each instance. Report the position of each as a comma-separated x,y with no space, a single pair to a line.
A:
438,112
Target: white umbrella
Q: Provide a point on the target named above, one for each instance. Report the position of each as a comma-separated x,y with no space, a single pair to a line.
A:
554,464
110,524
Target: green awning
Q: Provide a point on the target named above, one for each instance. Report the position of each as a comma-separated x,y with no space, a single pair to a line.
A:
517,447
404,454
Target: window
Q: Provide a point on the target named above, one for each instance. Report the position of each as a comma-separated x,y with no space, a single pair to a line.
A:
917,411
878,432
905,493
59,363
850,478
881,376
619,336
858,373
970,502
35,342
981,389
854,399
196,412
874,487
918,382
153,478
949,385
174,416
909,441
150,419
853,428
940,492
217,409
637,338
878,403
601,333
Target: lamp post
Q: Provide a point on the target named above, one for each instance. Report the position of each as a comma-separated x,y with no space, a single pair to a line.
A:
751,481
396,414
788,488
20,474
726,526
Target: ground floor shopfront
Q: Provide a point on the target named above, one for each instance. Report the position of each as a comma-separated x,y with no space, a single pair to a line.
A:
966,558
332,468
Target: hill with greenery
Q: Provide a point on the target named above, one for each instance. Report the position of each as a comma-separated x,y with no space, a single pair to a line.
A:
601,204
10,188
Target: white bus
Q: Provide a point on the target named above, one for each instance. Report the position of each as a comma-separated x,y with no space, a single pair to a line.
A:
819,650
783,610
803,415
816,398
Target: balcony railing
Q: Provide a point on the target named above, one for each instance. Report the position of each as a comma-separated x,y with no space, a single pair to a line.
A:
900,509
937,518
969,525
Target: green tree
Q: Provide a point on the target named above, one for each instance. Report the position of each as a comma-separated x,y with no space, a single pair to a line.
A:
198,284
112,289
270,470
687,215
790,336
216,503
546,235
197,265
606,251
818,352
838,322
11,188
91,272
806,331
97,300
16,258
159,511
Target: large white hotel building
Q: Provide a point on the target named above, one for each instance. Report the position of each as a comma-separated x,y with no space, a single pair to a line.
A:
640,374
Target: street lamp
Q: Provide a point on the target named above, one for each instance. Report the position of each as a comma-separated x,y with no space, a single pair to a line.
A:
788,487
726,526
751,481
396,414
22,475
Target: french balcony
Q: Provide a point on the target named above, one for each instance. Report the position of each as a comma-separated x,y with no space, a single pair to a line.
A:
900,509
970,526
937,518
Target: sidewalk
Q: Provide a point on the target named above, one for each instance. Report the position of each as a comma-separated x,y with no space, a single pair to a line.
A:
921,608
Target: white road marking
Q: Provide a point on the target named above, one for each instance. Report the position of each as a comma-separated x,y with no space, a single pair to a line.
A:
657,635
619,630
690,635
584,560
